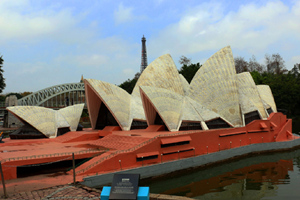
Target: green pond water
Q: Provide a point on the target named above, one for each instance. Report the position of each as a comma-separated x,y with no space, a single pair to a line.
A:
272,176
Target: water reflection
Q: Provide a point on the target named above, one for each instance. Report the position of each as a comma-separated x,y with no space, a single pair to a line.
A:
256,177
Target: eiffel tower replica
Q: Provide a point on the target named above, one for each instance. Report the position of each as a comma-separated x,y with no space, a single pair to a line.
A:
144,61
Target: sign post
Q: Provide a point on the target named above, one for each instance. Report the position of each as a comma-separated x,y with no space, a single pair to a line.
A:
3,182
124,186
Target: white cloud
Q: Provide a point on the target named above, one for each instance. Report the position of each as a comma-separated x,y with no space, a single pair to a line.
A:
208,27
59,42
19,21
123,14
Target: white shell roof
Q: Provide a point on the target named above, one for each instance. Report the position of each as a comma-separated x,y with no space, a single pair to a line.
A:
267,96
216,91
46,120
214,86
185,84
117,100
161,73
204,113
167,103
72,115
248,94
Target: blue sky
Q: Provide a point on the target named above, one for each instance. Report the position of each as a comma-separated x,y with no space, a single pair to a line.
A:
50,42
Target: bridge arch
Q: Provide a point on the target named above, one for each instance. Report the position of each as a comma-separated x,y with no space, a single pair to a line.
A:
56,96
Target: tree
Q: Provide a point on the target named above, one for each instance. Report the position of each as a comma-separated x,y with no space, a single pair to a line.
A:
295,70
275,64
2,79
18,95
24,94
253,65
188,71
240,64
129,84
2,98
184,61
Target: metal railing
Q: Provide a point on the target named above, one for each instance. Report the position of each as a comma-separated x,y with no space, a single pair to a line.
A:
51,155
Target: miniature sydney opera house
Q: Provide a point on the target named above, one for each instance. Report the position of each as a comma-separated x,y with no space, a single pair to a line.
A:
164,119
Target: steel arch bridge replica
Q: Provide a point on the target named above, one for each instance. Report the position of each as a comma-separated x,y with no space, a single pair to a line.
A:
165,125
57,94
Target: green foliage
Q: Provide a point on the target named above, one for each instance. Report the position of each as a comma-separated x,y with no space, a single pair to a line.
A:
256,77
285,88
188,71
85,113
24,94
18,95
2,98
2,79
130,83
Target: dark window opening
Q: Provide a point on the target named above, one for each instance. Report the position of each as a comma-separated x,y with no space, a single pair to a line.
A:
168,153
105,118
136,124
269,110
217,123
190,126
185,150
251,116
61,131
26,132
159,121
174,144
180,151
147,158
46,168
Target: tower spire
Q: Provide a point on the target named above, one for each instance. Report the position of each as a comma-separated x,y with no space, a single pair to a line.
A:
144,61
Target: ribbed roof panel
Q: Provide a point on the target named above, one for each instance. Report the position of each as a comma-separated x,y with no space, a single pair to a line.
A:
116,99
167,103
161,73
248,94
214,86
267,96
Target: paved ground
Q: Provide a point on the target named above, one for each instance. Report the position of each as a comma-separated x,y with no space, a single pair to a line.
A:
75,192
59,192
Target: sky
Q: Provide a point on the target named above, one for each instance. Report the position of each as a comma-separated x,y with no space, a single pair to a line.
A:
51,42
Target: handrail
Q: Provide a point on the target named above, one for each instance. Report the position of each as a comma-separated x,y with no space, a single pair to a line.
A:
131,149
51,155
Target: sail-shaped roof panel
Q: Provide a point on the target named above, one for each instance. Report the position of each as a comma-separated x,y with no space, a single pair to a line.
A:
189,112
185,84
214,86
161,73
116,99
72,115
137,111
43,119
167,103
248,94
203,112
267,96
